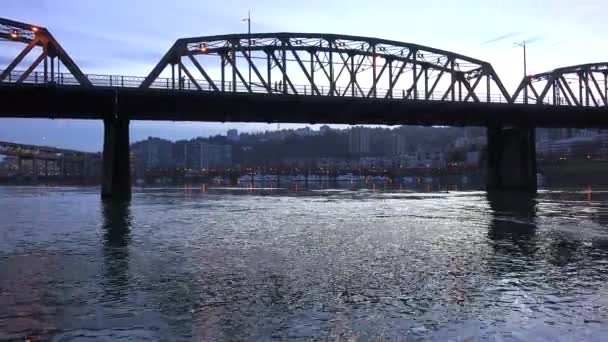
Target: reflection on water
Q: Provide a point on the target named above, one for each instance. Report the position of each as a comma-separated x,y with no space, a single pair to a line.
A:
513,226
187,264
116,229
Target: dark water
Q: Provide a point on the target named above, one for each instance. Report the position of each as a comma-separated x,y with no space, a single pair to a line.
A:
325,265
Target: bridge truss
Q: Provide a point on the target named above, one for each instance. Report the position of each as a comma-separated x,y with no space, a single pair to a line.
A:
584,85
30,66
325,65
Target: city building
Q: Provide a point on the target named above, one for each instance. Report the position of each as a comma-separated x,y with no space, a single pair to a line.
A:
179,153
201,155
325,129
233,135
398,146
359,140
153,154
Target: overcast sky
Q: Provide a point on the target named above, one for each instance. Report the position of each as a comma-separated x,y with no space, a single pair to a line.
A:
130,36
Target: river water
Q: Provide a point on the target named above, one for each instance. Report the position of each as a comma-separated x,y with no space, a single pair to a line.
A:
340,265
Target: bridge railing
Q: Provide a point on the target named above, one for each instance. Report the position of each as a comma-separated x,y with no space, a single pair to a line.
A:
122,81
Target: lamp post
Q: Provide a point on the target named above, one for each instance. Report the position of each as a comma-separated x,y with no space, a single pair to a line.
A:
523,45
248,20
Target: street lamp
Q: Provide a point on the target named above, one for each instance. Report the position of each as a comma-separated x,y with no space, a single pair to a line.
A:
523,45
248,20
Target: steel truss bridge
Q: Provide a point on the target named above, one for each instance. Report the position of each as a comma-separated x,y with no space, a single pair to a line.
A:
295,77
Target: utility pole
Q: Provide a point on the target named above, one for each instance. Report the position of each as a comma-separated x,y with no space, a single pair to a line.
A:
248,20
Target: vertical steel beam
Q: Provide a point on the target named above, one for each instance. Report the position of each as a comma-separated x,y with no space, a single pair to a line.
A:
172,75
453,81
223,71
52,69
332,84
580,88
426,82
389,94
284,68
232,60
179,74
353,76
269,69
46,64
488,88
374,69
414,76
606,87
586,80
460,89
312,72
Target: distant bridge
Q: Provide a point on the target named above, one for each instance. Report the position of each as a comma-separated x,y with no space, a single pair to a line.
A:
47,161
304,78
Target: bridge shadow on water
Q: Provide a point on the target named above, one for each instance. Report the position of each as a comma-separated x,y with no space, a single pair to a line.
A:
116,238
512,230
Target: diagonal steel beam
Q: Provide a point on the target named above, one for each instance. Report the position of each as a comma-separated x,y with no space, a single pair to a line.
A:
162,64
18,59
559,83
306,73
321,66
192,79
449,91
414,86
352,82
565,84
437,79
375,83
597,87
534,91
285,76
31,68
235,70
477,81
254,68
470,90
200,69
394,81
541,98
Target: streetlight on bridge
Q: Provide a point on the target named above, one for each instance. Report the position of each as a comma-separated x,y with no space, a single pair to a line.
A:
248,20
523,45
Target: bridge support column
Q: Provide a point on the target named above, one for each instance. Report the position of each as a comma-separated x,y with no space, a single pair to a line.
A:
116,182
511,161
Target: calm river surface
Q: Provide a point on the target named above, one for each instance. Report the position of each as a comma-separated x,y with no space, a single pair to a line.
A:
181,264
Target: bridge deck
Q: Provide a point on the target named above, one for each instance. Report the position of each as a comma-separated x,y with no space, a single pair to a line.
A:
75,102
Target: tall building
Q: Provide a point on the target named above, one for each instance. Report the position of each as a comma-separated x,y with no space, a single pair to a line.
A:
398,146
201,155
153,154
359,140
232,135
179,153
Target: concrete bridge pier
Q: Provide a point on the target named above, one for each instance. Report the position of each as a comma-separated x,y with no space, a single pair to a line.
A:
116,181
511,160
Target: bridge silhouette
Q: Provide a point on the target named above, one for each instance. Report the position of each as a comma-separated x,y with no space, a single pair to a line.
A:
303,78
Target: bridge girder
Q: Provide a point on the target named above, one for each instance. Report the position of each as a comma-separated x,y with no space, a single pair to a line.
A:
577,85
325,64
45,68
